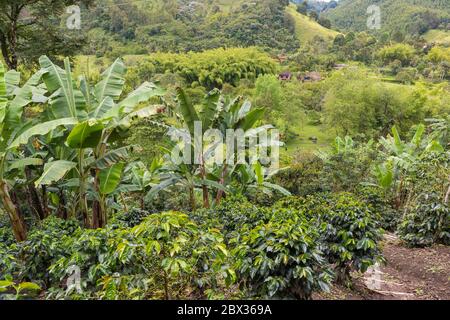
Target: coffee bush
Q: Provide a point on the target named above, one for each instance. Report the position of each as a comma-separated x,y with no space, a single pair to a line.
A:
427,223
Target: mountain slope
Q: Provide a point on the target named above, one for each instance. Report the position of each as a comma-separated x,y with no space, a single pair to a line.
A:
412,17
183,25
306,29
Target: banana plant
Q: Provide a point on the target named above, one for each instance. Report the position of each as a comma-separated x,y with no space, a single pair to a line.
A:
253,178
172,174
218,113
13,99
405,155
88,119
138,178
440,130
400,159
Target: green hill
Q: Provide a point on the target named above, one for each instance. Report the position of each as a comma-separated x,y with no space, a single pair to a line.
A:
306,29
438,36
123,27
117,27
412,17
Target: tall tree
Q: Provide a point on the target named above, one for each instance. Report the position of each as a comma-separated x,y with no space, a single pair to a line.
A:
303,8
30,28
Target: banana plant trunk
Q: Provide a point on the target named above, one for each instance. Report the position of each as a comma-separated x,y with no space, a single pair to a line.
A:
96,215
45,201
82,190
220,193
62,210
99,213
205,197
35,200
192,198
99,219
204,187
17,222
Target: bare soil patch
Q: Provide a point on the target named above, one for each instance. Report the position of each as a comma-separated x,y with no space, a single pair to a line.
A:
409,274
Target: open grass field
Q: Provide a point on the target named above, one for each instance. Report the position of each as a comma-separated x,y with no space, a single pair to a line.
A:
307,29
438,36
302,141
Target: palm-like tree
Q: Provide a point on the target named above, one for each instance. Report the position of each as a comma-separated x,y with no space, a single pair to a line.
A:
13,100
401,159
83,121
222,114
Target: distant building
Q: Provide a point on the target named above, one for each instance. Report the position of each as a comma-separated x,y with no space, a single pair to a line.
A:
310,77
285,76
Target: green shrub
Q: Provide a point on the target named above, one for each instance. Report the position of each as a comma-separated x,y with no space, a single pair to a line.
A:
281,259
10,290
310,205
8,252
233,213
6,235
132,218
376,199
44,246
209,69
166,256
186,254
172,199
427,223
302,179
348,229
99,254
350,235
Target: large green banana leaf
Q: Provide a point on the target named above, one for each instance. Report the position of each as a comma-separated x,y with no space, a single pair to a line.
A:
41,129
162,186
142,94
187,110
112,157
55,171
110,178
12,78
22,97
398,143
112,82
146,112
85,135
210,108
276,187
244,110
65,100
417,139
22,163
105,109
247,122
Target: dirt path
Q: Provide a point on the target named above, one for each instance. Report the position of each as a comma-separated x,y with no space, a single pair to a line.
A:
409,274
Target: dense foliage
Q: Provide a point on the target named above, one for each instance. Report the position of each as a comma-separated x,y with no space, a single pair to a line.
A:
427,222
210,69
170,255
406,16
29,29
106,192
182,26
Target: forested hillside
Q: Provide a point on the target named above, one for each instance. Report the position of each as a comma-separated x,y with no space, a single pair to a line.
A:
141,27
307,28
412,17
